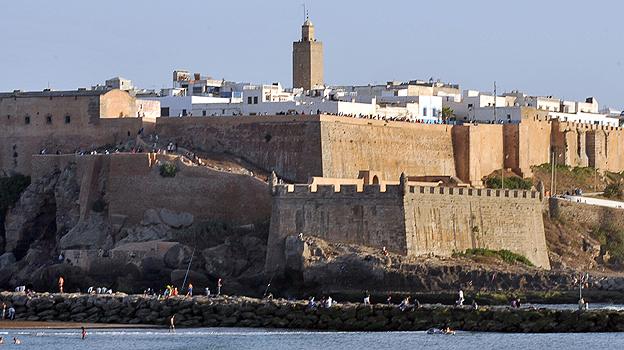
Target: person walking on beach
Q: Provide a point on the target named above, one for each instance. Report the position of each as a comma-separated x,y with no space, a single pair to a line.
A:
61,282
172,324
84,333
219,285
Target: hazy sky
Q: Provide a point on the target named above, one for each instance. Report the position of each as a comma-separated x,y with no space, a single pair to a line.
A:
570,49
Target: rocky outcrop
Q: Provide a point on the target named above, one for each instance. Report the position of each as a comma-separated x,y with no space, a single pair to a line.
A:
32,217
249,312
90,233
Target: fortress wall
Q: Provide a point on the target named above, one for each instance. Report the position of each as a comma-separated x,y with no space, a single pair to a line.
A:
21,142
371,217
132,184
205,193
592,215
444,220
350,145
532,142
424,220
290,145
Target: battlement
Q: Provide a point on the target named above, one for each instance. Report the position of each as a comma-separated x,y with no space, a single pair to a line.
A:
337,190
475,192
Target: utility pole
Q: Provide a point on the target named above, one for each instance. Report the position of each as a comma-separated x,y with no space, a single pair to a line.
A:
495,101
552,173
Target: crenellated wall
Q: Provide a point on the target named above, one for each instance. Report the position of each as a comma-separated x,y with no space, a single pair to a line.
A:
409,220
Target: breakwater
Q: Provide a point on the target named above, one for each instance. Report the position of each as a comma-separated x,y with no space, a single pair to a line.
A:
250,312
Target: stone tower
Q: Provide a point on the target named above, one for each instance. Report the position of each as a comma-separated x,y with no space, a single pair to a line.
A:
307,59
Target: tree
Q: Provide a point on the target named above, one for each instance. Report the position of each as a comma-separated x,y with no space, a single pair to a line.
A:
447,113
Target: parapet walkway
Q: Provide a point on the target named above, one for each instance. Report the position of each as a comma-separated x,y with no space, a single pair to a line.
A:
593,201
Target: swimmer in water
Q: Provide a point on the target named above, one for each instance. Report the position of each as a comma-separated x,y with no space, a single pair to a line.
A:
1,340
84,333
16,341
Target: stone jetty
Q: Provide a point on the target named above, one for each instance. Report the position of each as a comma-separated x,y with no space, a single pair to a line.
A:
250,312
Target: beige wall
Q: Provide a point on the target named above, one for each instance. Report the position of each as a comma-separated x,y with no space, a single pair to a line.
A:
443,220
419,221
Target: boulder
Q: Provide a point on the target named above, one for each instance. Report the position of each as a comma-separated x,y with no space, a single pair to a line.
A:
178,256
90,233
176,220
150,217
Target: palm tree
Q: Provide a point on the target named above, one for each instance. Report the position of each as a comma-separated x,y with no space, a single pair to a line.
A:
447,113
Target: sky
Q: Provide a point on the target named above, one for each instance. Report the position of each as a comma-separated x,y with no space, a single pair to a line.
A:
569,49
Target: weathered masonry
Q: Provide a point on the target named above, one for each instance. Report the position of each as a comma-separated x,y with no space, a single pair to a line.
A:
409,220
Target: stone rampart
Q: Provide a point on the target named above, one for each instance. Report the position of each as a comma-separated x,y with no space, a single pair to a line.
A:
409,220
592,215
249,312
133,184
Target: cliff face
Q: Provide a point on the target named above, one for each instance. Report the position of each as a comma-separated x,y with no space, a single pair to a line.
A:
69,222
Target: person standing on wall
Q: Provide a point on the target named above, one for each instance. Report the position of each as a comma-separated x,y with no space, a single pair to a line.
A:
61,282
219,285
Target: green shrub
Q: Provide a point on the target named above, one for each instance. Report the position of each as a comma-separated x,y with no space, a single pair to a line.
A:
615,190
511,183
611,240
168,170
504,255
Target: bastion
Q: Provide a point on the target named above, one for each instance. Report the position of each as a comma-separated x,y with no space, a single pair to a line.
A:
407,219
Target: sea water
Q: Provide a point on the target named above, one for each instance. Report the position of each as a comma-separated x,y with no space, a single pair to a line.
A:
263,339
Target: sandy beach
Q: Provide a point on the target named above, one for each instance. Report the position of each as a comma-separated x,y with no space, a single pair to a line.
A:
67,325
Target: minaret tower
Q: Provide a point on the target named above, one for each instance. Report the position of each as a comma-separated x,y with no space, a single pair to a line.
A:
307,59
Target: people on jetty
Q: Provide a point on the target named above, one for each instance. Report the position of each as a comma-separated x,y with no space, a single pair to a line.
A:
311,303
207,290
367,298
474,305
172,324
404,304
3,311
389,299
460,300
329,302
583,305
83,333
219,285
61,282
189,292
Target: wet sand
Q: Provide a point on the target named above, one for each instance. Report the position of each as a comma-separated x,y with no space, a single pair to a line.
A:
68,325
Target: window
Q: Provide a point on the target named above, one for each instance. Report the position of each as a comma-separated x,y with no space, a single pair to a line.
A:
204,113
255,100
164,111
27,120
67,119
48,119
249,100
184,112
